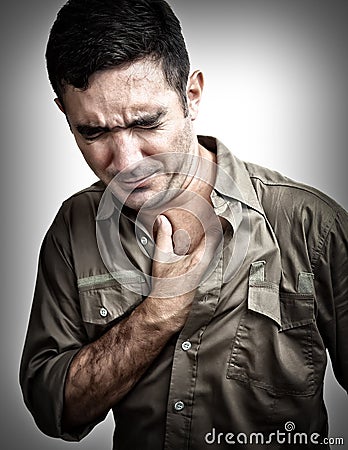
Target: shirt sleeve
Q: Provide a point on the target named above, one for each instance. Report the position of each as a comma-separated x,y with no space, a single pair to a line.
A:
55,334
331,279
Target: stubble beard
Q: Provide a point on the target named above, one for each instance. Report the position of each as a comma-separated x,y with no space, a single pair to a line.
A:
170,180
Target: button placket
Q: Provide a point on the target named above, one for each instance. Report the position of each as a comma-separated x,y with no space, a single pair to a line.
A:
179,405
184,367
186,346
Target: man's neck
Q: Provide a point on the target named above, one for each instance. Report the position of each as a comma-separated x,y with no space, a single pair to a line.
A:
191,211
191,216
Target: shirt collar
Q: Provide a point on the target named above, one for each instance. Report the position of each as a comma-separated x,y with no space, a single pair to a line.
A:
232,178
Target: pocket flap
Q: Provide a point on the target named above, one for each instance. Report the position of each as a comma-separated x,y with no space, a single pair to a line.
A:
296,310
103,299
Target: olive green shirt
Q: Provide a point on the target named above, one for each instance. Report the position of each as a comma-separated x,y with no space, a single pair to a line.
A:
252,354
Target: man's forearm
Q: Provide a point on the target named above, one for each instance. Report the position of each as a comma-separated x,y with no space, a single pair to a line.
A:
105,370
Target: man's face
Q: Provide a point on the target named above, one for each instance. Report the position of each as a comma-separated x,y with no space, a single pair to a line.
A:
126,115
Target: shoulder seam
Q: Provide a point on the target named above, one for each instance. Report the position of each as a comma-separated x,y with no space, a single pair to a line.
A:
330,203
317,252
302,187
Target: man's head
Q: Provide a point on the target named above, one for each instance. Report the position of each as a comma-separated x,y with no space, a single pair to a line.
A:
94,35
121,73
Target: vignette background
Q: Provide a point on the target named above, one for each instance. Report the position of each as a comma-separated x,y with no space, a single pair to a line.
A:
276,94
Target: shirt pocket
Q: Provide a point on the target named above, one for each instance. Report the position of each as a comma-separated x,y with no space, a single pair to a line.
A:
105,299
275,354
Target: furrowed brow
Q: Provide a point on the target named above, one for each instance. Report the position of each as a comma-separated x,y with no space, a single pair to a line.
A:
142,121
147,119
85,130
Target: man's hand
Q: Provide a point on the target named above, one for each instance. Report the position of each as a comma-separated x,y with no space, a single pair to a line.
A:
177,272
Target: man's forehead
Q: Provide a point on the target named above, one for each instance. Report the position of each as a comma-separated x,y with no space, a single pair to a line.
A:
121,90
126,76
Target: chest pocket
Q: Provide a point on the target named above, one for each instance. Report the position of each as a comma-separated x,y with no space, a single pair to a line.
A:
108,297
273,346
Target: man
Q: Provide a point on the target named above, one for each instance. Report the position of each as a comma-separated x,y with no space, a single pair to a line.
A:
192,293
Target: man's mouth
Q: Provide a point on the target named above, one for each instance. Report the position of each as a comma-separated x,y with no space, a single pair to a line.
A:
140,182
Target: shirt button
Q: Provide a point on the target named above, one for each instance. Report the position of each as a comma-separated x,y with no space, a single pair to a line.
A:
179,406
103,312
143,240
186,346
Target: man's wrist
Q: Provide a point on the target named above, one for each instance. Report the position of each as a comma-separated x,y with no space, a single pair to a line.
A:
167,315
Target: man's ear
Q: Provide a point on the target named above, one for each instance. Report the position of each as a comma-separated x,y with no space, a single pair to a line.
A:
194,92
61,107
59,104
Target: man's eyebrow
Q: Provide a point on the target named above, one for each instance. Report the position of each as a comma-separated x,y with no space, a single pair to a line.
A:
90,129
147,119
141,121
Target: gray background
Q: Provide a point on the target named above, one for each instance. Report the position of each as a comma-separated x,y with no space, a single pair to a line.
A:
276,94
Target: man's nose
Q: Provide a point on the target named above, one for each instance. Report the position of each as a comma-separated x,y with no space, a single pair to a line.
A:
127,150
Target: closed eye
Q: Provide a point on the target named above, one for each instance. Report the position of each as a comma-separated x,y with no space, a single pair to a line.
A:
147,122
148,127
90,133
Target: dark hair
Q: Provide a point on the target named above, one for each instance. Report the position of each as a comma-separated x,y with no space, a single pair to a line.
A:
92,35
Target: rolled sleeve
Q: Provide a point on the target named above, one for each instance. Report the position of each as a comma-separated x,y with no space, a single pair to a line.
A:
55,334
